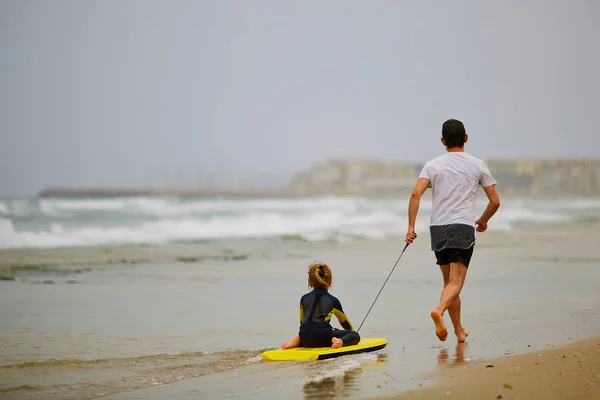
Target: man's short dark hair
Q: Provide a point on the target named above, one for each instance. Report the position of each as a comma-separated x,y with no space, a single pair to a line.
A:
453,132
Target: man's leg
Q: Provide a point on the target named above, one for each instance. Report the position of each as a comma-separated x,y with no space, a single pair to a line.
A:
454,309
451,292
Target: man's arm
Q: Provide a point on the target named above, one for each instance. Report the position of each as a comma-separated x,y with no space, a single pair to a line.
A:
490,210
413,207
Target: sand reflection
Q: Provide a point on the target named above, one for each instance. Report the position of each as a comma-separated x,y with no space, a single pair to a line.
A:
459,356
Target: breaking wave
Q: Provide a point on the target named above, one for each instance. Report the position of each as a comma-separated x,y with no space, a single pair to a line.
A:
30,223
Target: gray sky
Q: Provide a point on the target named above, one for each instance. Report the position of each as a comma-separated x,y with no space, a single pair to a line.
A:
109,93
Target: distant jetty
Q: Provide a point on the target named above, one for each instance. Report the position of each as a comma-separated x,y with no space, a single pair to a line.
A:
156,192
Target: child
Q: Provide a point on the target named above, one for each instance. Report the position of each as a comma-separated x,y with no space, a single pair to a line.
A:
316,308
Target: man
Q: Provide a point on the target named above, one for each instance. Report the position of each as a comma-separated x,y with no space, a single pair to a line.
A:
454,178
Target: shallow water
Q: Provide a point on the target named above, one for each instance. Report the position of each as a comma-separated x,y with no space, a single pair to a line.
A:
169,329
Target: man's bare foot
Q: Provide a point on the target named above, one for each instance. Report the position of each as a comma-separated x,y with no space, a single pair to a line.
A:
336,343
440,327
461,335
295,342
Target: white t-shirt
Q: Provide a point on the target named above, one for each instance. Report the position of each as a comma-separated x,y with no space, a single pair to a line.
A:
455,178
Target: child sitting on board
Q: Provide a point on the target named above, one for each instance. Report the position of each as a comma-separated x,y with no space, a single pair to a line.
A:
316,309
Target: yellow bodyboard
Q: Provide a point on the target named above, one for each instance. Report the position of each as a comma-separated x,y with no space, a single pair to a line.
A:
322,353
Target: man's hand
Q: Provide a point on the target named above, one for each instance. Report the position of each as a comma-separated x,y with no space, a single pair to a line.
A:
481,225
490,210
410,236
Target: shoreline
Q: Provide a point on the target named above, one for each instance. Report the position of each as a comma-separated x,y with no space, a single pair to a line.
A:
15,262
570,370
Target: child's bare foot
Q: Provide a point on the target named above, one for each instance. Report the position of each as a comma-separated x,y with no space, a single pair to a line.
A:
288,345
295,342
336,343
461,335
440,327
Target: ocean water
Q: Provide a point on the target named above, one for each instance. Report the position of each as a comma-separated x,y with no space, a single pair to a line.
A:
49,223
172,326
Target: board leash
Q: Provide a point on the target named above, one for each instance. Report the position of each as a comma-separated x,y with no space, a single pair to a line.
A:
363,321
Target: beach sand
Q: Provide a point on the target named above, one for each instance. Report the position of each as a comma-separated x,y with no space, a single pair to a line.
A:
565,372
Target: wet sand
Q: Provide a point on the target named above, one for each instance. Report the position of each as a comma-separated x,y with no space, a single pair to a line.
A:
565,372
154,330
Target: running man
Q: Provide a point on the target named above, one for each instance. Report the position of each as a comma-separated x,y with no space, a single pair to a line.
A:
454,178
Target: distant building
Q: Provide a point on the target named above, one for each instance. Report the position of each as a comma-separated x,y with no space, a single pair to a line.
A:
531,177
355,176
547,176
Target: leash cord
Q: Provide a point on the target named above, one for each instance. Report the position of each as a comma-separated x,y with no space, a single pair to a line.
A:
363,321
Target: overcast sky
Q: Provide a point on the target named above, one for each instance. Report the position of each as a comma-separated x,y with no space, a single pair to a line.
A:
113,93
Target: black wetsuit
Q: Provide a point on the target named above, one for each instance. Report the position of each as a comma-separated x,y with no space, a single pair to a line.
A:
316,309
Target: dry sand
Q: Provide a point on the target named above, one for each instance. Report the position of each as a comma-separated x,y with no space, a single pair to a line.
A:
568,372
